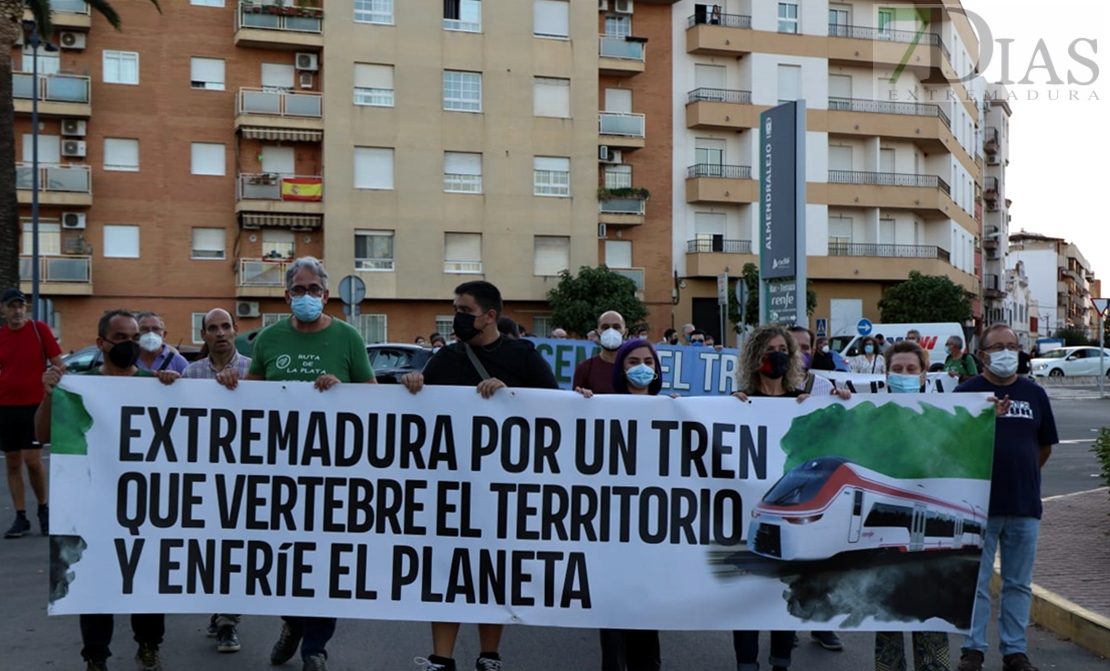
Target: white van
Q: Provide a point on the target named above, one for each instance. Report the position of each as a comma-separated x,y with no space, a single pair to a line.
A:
933,338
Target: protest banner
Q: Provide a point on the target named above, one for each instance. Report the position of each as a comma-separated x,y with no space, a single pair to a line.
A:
535,506
866,383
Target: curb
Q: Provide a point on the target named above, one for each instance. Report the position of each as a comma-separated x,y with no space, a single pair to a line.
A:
1066,619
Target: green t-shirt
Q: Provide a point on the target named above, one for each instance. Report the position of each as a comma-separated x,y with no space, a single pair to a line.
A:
282,353
95,370
964,366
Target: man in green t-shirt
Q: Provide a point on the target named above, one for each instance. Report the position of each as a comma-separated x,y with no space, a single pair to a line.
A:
118,339
958,363
313,347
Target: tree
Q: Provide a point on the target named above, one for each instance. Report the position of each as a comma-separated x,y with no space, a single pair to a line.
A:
11,31
577,302
750,277
1073,337
925,298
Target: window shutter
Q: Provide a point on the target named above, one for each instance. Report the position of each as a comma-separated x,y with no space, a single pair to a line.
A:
552,163
465,247
121,153
373,168
551,97
209,70
618,253
708,223
790,80
369,76
277,75
121,242
551,18
709,76
209,242
551,255
456,163
208,159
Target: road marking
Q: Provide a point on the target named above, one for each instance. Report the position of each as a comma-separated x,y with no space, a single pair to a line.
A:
1064,496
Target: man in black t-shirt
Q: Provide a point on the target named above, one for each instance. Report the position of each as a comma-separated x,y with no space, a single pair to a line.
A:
501,362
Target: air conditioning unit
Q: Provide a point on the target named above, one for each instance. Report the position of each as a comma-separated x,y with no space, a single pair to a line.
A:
73,220
306,80
622,6
992,206
73,148
601,232
71,40
247,309
993,159
74,127
308,62
608,155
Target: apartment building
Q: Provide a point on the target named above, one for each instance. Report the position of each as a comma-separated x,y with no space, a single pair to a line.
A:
892,144
996,202
429,144
1060,281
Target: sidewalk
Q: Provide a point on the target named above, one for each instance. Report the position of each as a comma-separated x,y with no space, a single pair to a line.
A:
1071,580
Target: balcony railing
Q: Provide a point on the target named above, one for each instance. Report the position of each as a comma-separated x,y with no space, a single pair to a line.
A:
262,272
888,179
888,35
721,171
888,107
618,47
293,18
621,206
888,251
708,17
61,178
268,186
279,102
55,88
717,244
704,95
65,268
990,186
990,140
621,123
990,283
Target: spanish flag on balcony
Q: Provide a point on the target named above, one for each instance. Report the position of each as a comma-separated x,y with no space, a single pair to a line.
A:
302,188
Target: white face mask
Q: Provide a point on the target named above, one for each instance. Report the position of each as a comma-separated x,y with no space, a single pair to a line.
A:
611,339
825,349
1004,364
151,342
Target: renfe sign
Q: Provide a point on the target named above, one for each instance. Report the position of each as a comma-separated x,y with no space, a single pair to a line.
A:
782,196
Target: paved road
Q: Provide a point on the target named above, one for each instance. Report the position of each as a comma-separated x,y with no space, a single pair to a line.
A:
1073,468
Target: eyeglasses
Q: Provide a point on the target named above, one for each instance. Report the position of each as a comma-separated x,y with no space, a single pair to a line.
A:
995,349
314,290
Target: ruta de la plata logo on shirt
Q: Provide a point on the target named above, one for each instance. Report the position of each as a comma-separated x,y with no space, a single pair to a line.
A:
1020,410
302,364
283,361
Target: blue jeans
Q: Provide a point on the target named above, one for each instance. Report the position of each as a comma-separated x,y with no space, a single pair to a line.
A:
317,631
1016,539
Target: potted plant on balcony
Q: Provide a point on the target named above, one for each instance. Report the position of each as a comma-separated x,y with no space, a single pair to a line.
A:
604,193
252,8
264,179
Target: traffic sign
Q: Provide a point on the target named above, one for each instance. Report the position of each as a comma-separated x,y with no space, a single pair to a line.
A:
722,289
352,289
864,327
742,295
822,328
1101,305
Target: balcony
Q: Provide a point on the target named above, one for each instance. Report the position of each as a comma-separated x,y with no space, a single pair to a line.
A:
716,34
888,251
990,141
261,278
990,237
992,288
928,194
888,179
874,46
621,207
621,56
66,15
276,25
59,95
710,109
990,190
66,275
278,114
885,263
709,256
623,130
723,184
280,194
62,185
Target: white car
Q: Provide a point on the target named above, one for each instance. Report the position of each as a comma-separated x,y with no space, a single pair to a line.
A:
1071,361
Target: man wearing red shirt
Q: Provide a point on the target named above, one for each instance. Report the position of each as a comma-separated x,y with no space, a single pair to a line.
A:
25,349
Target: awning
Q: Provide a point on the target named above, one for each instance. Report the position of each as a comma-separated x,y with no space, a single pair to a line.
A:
283,134
258,220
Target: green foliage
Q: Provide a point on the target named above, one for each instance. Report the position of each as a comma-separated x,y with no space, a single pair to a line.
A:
578,301
1073,337
1101,448
623,192
900,441
924,299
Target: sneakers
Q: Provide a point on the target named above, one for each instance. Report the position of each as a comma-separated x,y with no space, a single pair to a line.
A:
147,658
20,526
488,662
828,640
315,663
44,520
435,663
287,644
213,628
1017,662
971,660
226,639
96,666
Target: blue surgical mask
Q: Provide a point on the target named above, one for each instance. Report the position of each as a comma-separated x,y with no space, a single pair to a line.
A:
904,384
641,375
434,350
307,308
697,343
868,349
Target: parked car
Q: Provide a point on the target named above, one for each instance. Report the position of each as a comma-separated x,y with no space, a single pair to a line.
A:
392,360
1071,361
89,357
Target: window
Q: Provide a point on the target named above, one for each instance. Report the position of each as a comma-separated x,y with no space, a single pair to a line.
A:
209,243
271,318
709,76
618,100
618,177
541,326
50,239
708,224
373,250
49,61
50,150
839,20
278,244
788,18
373,85
373,168
278,76
618,25
208,159
709,156
840,235
465,15
886,231
551,18
551,97
462,253
462,91
618,253
121,67
551,255
121,154
445,325
551,176
121,242
278,159
198,327
207,3
374,11
462,173
790,82
372,328
207,73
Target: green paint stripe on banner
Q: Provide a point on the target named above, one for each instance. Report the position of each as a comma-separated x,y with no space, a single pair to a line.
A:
70,422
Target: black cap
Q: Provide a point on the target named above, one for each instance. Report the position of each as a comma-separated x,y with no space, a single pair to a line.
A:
12,295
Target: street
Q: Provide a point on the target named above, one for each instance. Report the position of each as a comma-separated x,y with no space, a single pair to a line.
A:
30,640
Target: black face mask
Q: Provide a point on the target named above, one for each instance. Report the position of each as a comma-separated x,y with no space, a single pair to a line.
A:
124,354
464,327
775,364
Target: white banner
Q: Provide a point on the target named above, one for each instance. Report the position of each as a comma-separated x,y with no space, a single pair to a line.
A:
535,507
866,383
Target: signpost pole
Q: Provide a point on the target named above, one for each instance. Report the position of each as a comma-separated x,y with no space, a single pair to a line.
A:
1102,307
802,315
